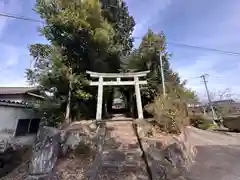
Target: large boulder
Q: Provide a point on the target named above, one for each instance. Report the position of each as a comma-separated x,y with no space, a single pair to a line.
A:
168,156
78,134
45,154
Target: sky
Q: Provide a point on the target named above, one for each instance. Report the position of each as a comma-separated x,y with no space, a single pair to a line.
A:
213,24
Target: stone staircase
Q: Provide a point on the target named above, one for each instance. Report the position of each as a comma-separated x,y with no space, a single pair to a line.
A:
122,156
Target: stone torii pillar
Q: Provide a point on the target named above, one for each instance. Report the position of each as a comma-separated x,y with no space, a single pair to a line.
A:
134,81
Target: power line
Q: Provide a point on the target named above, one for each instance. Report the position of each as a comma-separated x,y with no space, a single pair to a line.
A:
20,17
199,47
205,48
168,42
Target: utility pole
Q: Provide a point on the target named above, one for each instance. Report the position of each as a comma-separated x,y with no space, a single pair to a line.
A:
162,74
209,99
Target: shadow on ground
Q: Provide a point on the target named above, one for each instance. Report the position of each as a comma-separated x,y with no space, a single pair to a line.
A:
13,159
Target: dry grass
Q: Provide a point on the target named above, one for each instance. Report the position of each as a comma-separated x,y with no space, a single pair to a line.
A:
74,166
170,114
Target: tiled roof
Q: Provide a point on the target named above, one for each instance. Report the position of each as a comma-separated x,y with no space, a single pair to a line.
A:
16,90
13,103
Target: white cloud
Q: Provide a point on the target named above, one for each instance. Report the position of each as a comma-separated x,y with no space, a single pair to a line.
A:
223,69
218,79
13,81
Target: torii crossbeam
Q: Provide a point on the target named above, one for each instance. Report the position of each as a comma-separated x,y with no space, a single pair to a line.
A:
134,81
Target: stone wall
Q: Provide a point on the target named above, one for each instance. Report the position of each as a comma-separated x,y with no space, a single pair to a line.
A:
168,157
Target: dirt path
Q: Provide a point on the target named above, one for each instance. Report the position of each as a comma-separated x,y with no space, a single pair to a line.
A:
122,156
218,156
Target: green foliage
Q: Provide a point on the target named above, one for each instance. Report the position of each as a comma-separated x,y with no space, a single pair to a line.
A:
201,122
80,38
146,57
116,12
170,112
93,35
82,35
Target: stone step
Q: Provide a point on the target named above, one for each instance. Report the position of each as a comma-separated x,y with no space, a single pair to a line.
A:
123,165
121,155
116,175
128,152
112,171
121,162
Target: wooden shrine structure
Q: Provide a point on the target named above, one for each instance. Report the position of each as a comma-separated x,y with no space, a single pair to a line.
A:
120,79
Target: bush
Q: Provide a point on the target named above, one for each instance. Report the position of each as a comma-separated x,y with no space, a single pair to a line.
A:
201,122
170,114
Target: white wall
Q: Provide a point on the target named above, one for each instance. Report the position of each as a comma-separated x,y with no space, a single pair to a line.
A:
9,116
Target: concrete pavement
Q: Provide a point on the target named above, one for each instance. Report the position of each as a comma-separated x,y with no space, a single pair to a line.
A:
218,156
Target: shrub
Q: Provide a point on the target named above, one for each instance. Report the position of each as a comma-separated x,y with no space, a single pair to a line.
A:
170,113
201,122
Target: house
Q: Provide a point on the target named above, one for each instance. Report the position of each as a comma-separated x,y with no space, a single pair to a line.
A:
18,121
223,102
230,106
196,108
20,94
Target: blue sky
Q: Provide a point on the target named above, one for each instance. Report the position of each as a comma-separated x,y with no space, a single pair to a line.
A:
15,37
213,24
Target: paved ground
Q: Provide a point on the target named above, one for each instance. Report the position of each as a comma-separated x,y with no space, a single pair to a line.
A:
122,155
218,156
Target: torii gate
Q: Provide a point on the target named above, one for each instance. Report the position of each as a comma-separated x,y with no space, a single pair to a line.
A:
118,82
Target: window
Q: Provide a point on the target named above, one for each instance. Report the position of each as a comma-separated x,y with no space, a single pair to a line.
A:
34,125
27,126
22,127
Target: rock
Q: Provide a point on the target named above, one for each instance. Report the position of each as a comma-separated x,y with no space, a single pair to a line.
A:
168,157
174,154
93,126
45,154
74,138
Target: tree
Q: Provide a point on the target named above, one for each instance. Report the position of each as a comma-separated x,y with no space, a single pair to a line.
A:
169,111
146,57
80,39
116,12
